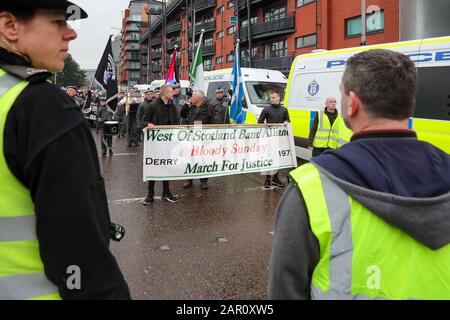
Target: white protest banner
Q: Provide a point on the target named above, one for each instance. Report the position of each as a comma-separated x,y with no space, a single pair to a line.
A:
192,152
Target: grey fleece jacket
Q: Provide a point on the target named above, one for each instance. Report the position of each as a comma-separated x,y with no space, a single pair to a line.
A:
296,250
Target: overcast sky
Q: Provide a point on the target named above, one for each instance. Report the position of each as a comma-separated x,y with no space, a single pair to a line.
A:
93,32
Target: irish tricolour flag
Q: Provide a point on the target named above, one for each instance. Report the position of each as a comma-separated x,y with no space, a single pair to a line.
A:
196,72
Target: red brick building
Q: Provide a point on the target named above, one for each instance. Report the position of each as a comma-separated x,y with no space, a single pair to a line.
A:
134,22
280,30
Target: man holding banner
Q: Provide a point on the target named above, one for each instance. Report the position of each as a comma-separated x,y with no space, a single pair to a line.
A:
161,112
197,110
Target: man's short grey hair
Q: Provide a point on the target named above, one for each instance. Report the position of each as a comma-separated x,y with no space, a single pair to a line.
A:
200,94
164,88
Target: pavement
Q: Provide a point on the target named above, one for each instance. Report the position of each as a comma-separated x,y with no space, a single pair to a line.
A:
213,244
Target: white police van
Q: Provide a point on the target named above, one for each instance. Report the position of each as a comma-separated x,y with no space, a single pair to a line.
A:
257,84
316,76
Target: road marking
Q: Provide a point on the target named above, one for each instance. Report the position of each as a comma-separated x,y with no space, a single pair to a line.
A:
120,155
221,239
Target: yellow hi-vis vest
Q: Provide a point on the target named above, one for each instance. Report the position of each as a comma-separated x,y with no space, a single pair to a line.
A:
344,134
362,256
21,269
326,133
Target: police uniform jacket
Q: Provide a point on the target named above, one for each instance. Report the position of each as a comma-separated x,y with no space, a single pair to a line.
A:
49,148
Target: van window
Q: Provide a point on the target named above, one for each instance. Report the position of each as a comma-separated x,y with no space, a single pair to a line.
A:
213,86
259,92
433,94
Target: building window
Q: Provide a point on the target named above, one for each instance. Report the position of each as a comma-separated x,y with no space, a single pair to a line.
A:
219,60
209,42
219,35
230,57
220,10
230,4
374,23
306,41
231,30
301,3
275,13
253,21
207,64
278,49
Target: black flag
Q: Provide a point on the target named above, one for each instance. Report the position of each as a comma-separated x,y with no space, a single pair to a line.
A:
106,77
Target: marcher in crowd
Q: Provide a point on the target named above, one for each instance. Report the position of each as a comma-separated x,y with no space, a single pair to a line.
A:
275,113
121,114
54,217
140,115
325,129
161,111
103,116
371,219
220,104
178,98
132,106
72,92
197,110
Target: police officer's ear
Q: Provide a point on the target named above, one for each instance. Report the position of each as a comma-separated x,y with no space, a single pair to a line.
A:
9,29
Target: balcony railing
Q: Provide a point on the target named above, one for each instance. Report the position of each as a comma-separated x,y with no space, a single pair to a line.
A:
133,66
174,28
156,55
132,48
156,68
206,50
156,41
209,50
269,28
209,26
273,63
171,45
131,56
204,4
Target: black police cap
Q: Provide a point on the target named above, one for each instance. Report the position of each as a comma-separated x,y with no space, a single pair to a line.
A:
74,12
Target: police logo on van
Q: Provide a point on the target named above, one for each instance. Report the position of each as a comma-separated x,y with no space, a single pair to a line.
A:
313,88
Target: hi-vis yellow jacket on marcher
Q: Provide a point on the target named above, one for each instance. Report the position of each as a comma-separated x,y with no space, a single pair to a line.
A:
21,269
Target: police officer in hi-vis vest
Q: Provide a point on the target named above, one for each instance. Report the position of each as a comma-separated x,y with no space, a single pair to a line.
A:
370,220
54,219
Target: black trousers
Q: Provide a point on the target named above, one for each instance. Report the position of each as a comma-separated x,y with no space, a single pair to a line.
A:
275,176
151,188
106,142
131,129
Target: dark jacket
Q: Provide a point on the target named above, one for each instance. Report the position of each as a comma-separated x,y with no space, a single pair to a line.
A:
204,114
331,116
49,148
160,113
221,110
103,115
404,181
140,115
274,114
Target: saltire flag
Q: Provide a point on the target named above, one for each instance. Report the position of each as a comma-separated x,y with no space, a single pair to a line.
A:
106,77
237,114
196,73
170,79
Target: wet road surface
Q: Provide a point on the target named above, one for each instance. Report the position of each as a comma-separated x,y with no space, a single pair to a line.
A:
213,244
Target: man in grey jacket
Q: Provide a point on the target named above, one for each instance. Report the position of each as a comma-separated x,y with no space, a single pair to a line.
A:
104,115
382,190
140,114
